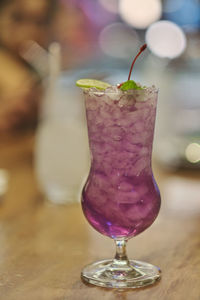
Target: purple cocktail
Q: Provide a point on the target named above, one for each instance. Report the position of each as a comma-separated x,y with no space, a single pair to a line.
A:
121,198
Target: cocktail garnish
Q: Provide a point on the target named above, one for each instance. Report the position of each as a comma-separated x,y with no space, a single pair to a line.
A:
130,84
92,83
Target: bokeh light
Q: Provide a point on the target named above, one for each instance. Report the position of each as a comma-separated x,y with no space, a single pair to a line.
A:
110,5
192,152
140,13
118,40
166,39
184,13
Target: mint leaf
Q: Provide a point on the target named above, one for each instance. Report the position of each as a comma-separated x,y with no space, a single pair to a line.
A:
130,85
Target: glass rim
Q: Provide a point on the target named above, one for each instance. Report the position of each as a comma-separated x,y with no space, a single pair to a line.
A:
150,90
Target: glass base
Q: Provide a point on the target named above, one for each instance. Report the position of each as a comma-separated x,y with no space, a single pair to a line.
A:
135,274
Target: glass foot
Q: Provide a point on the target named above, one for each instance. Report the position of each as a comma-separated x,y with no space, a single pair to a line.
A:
135,274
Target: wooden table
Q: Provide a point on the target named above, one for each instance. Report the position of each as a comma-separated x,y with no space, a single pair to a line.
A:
43,247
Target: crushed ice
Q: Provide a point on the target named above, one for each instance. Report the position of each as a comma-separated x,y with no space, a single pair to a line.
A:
95,91
124,98
113,92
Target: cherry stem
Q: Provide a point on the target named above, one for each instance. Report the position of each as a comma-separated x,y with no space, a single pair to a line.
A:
141,50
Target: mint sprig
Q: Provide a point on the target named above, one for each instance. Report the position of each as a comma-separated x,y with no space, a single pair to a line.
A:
130,85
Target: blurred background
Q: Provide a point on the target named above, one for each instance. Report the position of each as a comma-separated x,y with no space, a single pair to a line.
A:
46,45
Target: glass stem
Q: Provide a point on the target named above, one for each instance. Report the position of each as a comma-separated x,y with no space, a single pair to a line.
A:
121,256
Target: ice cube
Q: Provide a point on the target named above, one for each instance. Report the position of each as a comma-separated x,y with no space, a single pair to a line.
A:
107,100
139,127
125,186
136,213
101,181
134,116
137,138
130,197
113,93
140,165
106,114
94,91
115,133
127,100
115,177
130,147
142,190
141,97
91,104
144,151
124,122
116,113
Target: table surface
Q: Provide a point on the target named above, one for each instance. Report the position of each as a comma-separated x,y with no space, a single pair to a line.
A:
43,247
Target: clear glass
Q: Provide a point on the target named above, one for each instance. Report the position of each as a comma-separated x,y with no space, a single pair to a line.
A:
62,164
120,198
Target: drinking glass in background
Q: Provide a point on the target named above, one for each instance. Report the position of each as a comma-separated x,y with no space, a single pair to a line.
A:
61,151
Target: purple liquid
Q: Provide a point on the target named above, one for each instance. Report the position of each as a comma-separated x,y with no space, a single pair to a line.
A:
121,198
